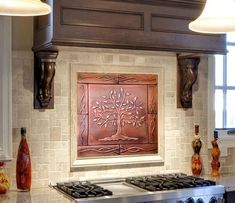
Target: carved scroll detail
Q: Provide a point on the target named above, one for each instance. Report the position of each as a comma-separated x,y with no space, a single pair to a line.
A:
82,131
82,99
187,76
102,150
153,128
44,76
138,148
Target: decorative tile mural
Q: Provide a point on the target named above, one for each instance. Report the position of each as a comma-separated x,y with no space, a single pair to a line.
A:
117,114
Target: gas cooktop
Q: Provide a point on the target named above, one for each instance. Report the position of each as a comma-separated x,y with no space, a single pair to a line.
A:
167,188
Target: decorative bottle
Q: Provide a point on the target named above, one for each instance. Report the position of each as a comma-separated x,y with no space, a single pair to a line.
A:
215,153
196,160
4,180
23,164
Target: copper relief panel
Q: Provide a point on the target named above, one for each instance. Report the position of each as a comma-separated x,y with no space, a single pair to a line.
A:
117,114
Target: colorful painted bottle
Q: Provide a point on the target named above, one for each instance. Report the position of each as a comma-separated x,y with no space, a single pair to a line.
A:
23,164
196,160
4,180
215,153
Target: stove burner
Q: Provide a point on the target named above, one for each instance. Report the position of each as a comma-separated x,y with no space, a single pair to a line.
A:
168,182
82,189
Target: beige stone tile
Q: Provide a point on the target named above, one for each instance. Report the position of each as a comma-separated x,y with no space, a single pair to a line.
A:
55,134
51,152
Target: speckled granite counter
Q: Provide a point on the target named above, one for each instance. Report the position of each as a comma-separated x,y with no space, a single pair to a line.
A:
43,195
228,180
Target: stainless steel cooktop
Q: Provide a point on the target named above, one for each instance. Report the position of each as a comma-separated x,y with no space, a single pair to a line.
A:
167,188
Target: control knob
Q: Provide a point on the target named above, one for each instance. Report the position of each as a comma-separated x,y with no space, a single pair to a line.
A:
213,200
200,200
190,200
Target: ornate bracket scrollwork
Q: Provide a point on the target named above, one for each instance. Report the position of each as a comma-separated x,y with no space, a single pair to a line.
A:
187,76
44,72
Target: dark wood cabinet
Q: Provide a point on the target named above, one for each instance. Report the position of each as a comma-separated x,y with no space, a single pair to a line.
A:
160,25
130,24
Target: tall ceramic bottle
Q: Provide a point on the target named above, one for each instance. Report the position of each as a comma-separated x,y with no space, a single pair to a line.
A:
196,160
23,164
215,153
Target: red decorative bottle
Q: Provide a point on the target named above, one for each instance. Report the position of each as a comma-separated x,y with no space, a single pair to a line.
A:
196,160
23,164
215,153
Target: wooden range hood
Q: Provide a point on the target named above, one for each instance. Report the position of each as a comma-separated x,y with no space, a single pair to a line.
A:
160,25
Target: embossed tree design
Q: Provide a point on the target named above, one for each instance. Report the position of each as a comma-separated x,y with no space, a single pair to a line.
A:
118,108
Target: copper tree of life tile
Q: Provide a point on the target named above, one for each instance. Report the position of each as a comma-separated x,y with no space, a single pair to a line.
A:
117,114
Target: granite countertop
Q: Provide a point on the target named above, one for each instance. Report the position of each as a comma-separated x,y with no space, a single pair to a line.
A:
50,195
228,180
41,195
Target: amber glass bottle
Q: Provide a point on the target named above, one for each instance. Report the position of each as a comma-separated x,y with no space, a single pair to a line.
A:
23,164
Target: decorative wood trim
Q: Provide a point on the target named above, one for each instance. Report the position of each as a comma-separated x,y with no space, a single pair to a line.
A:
44,72
156,25
186,77
186,3
5,89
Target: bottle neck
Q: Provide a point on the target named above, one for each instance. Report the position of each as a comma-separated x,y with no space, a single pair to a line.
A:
23,135
196,129
2,165
197,136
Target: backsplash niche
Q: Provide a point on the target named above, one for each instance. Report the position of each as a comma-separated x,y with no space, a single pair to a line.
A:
117,114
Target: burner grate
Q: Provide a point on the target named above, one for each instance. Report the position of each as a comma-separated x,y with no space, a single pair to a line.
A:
82,189
168,182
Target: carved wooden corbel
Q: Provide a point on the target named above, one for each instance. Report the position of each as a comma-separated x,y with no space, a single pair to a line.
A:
186,77
44,72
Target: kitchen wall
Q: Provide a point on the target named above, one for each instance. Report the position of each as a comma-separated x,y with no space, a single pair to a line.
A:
48,131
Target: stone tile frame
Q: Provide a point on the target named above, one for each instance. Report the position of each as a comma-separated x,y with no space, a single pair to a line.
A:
115,161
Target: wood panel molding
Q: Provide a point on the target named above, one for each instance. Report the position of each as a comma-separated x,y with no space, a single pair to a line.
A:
133,24
93,17
196,3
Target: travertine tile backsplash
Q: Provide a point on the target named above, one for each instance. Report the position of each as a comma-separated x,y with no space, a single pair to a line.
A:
48,131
